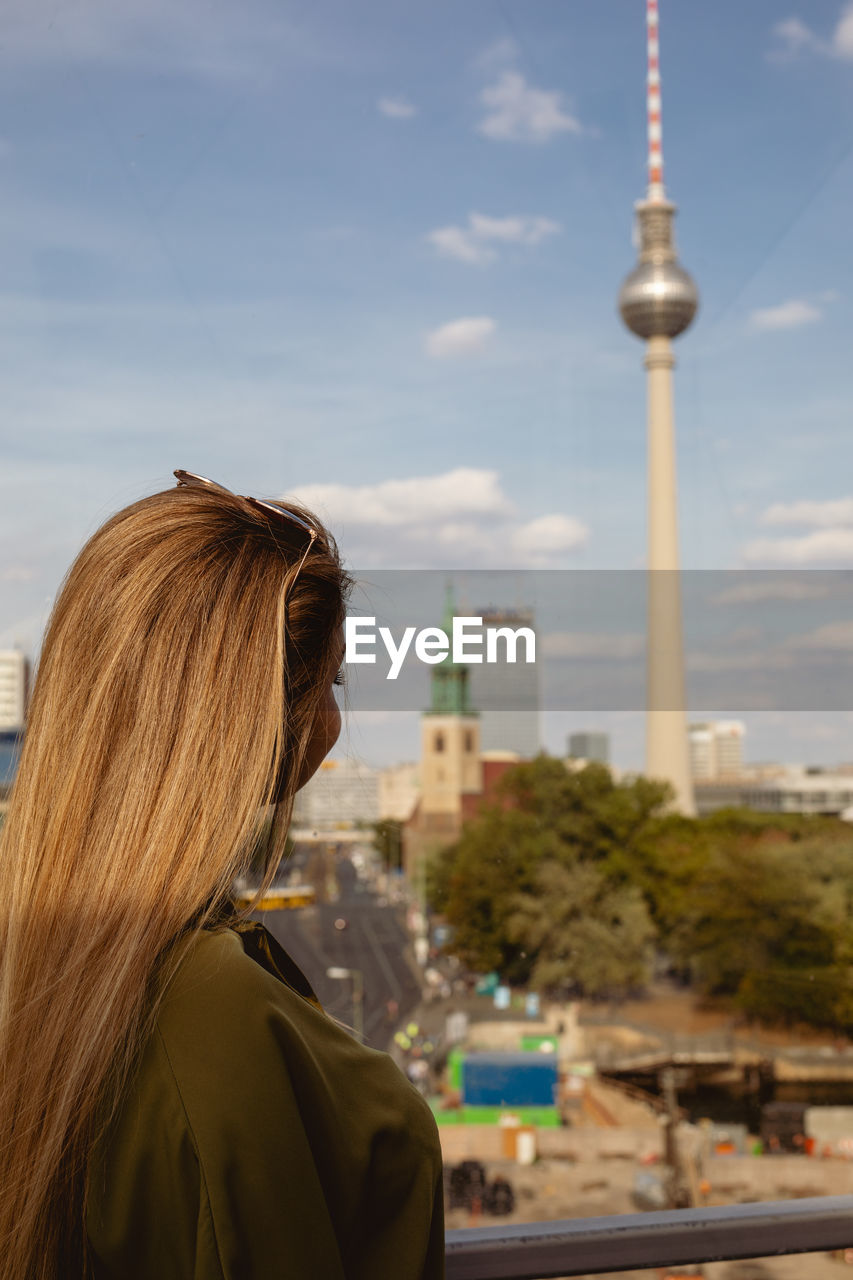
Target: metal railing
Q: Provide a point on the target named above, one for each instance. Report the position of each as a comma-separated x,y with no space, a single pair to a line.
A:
591,1246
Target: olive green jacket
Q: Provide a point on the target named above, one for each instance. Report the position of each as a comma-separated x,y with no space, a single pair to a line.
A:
259,1141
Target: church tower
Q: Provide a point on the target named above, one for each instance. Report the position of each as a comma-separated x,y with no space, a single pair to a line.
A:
450,768
450,743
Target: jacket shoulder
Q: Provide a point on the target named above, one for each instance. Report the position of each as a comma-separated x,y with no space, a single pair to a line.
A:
262,1136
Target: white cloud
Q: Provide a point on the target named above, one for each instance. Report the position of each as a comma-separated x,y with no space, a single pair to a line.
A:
752,592
787,315
794,37
606,646
466,336
547,536
764,660
496,56
396,108
465,491
461,518
823,514
842,40
474,243
518,229
832,636
461,243
823,546
830,540
517,112
193,37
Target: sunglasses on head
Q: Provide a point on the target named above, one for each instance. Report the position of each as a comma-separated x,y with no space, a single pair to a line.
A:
285,520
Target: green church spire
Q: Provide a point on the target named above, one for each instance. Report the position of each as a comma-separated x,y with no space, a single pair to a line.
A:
449,682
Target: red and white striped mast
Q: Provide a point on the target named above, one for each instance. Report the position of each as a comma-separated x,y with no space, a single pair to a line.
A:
658,301
656,192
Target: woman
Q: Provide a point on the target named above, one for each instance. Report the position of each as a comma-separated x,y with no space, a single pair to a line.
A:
173,1102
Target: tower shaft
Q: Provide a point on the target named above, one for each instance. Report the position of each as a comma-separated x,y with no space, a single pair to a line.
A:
663,510
667,754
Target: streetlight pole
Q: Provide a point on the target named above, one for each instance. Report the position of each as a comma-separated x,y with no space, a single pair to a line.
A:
357,979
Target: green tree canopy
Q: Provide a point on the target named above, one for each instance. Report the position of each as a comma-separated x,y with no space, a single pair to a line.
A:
767,917
388,841
565,879
582,931
537,886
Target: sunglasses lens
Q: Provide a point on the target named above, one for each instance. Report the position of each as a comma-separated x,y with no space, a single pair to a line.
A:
285,518
289,516
190,481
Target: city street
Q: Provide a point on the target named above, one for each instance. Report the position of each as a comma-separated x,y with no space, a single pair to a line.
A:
371,943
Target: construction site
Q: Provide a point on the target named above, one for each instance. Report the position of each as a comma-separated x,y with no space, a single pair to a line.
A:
602,1145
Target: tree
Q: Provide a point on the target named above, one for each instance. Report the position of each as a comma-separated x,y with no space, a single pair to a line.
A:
542,821
751,909
473,884
767,921
388,841
586,933
564,879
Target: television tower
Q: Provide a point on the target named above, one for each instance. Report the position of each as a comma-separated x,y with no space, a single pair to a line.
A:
658,300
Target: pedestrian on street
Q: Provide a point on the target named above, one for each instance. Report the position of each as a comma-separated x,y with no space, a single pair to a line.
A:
175,1103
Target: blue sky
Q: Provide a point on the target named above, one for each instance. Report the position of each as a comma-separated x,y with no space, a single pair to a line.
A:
369,253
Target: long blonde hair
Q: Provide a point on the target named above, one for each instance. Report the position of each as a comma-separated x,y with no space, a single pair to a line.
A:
180,676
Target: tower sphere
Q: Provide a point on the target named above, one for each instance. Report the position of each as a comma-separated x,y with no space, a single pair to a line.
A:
658,300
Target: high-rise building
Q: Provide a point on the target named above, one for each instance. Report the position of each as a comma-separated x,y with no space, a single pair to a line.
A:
729,735
703,761
398,791
658,301
342,793
590,745
716,749
14,681
506,694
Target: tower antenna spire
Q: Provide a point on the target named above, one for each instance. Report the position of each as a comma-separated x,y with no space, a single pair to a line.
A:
656,191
